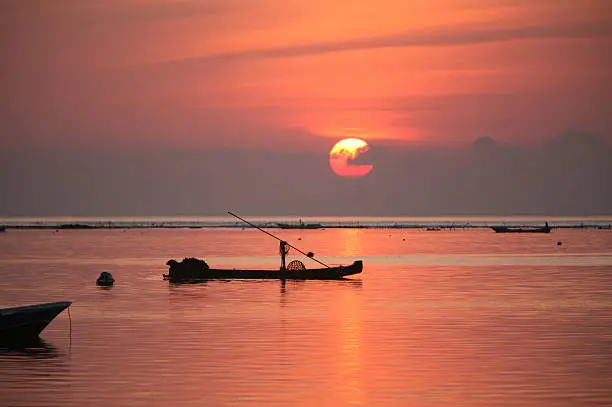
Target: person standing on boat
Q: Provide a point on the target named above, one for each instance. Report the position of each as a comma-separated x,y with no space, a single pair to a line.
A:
284,249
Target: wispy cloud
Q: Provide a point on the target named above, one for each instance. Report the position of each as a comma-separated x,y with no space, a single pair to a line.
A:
128,11
444,36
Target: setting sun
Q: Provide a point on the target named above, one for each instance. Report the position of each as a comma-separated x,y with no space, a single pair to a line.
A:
345,150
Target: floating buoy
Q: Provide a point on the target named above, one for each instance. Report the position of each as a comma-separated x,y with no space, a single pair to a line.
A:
106,279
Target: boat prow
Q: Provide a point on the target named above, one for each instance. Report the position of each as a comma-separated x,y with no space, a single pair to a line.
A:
355,268
28,321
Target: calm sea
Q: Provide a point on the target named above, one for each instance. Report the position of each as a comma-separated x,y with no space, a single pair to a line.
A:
437,318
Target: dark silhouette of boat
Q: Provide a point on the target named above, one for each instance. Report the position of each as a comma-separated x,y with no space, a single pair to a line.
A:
300,225
76,226
193,270
514,229
28,321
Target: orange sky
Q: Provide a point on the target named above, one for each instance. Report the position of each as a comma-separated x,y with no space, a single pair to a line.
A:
299,75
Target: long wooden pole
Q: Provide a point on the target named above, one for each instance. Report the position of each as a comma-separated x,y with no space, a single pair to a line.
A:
277,238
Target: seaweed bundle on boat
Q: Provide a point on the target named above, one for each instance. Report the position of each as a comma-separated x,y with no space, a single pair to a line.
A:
190,267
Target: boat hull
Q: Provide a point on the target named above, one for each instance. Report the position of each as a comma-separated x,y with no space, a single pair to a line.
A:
506,229
28,321
331,273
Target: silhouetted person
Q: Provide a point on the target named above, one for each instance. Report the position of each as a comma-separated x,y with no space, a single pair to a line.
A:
284,249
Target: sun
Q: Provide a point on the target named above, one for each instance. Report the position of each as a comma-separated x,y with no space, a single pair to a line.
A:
345,150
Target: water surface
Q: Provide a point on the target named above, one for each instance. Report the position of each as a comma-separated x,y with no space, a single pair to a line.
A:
462,318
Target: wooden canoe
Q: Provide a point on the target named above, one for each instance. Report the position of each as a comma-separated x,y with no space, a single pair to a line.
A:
179,275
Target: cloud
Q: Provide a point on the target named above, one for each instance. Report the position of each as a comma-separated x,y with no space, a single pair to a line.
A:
112,11
445,36
519,117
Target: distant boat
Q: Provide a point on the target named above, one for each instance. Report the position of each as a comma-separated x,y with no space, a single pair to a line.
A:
299,225
28,321
76,226
514,229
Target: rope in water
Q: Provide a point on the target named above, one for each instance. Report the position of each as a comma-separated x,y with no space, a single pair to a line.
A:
69,331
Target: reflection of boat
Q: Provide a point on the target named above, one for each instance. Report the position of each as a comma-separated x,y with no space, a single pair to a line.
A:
32,347
28,321
193,270
299,225
514,229
106,279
